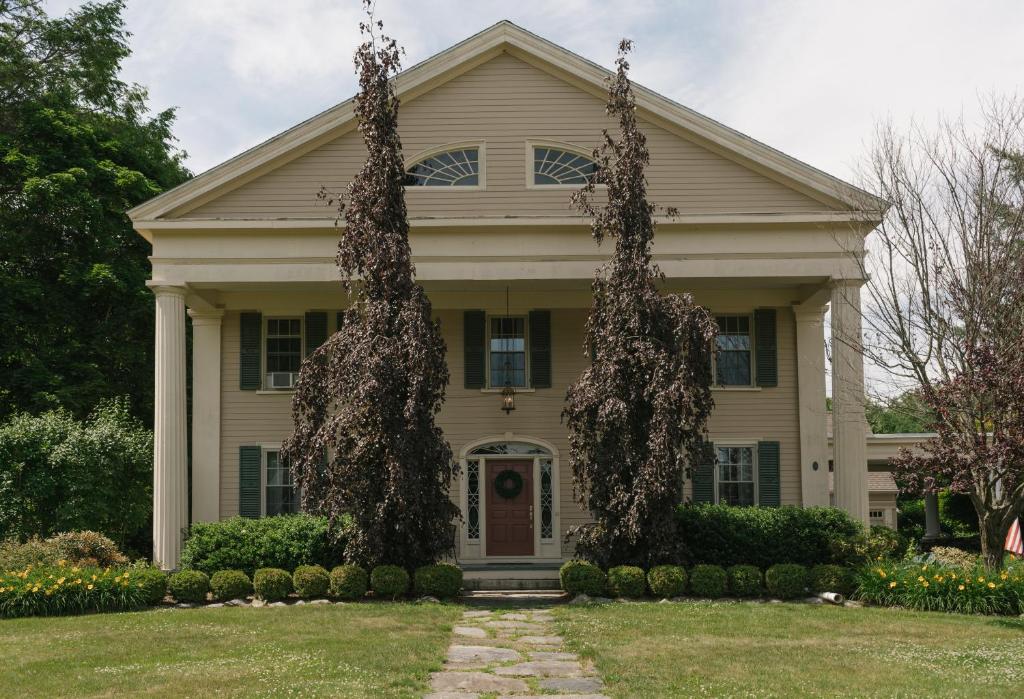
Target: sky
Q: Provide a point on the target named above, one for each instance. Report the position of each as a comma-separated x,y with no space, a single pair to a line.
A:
809,77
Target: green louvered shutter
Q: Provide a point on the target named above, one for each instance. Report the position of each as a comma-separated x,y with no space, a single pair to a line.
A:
704,476
339,320
540,349
249,481
765,347
316,330
768,474
250,330
474,341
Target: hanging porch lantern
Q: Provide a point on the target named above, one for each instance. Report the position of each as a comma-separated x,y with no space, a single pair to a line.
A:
508,398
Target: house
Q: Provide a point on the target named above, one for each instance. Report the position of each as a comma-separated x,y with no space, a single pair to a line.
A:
497,131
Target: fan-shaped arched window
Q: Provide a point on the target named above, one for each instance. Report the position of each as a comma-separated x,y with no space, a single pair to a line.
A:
558,166
451,168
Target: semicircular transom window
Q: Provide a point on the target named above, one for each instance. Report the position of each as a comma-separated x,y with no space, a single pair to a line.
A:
452,168
557,166
502,448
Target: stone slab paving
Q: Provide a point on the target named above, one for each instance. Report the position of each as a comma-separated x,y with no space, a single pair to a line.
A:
514,653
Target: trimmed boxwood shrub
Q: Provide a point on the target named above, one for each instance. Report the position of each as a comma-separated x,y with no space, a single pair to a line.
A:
627,581
667,581
189,586
786,580
152,582
349,582
832,578
582,578
763,536
441,580
708,581
389,581
230,584
272,584
311,581
745,581
245,544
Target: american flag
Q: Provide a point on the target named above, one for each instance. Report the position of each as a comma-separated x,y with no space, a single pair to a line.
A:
1013,541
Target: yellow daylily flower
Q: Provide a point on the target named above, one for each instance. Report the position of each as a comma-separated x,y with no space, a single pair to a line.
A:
892,584
89,586
925,583
961,587
992,585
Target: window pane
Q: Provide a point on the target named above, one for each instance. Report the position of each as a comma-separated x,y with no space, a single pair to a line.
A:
741,494
732,355
556,166
457,168
732,369
508,351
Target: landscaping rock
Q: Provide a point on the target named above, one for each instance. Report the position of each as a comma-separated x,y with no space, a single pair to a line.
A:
319,601
551,655
482,655
476,614
679,599
469,632
450,681
340,602
257,603
853,604
572,684
542,668
515,616
215,605
300,602
185,605
541,640
814,600
277,604
428,599
581,598
237,602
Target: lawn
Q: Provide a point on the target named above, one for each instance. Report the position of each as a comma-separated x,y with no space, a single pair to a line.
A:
355,650
763,650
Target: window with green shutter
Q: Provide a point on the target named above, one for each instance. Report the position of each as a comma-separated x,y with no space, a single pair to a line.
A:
540,349
768,482
249,464
474,333
316,330
249,333
704,476
766,347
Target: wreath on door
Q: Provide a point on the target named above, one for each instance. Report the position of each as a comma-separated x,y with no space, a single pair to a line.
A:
508,484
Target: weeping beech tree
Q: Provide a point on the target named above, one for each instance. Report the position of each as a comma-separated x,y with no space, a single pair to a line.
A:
365,448
637,415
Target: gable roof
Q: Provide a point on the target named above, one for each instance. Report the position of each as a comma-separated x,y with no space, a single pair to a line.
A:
479,48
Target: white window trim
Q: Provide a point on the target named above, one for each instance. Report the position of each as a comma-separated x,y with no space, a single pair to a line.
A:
752,386
561,145
752,445
264,336
266,449
481,147
490,388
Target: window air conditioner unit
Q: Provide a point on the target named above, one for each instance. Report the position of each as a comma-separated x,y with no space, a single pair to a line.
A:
282,379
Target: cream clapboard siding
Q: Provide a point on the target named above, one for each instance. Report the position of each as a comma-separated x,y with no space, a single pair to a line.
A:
468,415
503,103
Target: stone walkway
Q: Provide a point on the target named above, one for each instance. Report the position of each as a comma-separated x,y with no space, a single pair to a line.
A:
512,653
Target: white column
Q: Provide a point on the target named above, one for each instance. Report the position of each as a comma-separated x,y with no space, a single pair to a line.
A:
170,469
206,389
849,426
810,365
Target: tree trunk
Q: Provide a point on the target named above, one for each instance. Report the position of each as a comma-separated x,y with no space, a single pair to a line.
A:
991,530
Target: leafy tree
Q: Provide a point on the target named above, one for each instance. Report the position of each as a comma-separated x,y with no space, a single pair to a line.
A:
904,413
367,399
59,474
77,149
945,305
636,416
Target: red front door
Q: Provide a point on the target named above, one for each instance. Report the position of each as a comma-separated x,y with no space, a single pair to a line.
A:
509,519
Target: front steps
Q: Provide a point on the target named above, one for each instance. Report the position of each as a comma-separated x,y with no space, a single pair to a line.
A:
495,576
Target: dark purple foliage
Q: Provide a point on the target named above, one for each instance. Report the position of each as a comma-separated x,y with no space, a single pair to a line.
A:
365,444
637,416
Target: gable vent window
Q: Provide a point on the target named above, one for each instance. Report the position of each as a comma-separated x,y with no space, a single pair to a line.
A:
454,168
553,166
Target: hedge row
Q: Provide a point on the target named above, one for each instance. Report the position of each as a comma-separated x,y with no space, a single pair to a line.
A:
346,582
782,580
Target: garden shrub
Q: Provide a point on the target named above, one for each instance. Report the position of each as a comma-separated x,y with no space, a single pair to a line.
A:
762,536
938,587
667,581
189,586
582,578
877,543
389,581
152,582
311,581
745,581
230,584
58,473
442,580
16,556
349,582
81,546
954,557
241,543
708,581
57,590
627,581
272,584
786,580
829,577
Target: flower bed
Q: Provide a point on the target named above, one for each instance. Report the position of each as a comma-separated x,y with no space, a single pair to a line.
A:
941,587
67,589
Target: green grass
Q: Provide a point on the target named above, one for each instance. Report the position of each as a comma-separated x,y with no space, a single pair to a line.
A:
764,650
356,650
